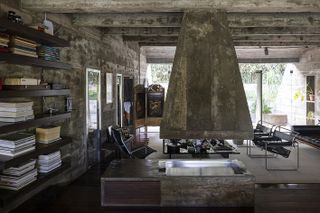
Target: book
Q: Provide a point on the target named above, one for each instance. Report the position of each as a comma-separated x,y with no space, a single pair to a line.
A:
20,39
27,48
49,156
18,187
20,169
15,154
4,49
21,81
17,119
18,182
47,134
17,137
16,104
48,169
22,43
23,52
49,141
16,114
16,146
19,109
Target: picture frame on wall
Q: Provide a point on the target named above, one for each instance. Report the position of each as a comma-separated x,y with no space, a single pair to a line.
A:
109,86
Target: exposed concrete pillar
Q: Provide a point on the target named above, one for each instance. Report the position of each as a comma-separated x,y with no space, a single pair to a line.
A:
205,96
259,104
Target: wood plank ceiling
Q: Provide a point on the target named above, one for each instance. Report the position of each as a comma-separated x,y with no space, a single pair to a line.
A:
263,31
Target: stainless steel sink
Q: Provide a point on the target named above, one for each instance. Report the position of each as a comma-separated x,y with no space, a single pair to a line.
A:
202,167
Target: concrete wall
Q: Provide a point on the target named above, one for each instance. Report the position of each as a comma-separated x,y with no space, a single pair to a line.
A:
309,66
285,103
88,49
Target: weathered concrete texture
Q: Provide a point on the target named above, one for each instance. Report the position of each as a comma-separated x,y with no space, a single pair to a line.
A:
174,20
207,191
186,191
61,6
205,97
88,49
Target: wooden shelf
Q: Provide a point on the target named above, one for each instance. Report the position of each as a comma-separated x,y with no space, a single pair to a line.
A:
11,28
38,121
6,162
34,93
7,196
26,60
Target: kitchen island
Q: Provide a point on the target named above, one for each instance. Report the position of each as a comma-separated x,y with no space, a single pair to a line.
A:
167,183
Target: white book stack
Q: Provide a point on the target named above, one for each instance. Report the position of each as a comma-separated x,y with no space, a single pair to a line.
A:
15,178
12,112
49,162
17,144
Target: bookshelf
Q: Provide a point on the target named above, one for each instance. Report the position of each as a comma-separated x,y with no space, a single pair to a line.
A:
12,28
10,199
6,162
7,197
10,58
34,93
39,120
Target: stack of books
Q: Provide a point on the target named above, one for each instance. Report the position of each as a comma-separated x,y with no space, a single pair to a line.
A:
21,81
4,40
47,135
15,178
17,144
22,46
16,111
48,53
49,162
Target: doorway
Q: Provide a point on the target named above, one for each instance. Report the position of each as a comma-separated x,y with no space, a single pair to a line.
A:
128,101
93,114
119,101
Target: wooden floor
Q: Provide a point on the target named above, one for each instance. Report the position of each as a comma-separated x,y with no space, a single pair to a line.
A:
84,196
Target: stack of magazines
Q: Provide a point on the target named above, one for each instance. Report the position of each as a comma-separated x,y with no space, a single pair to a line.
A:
49,162
16,111
22,46
48,53
15,178
17,144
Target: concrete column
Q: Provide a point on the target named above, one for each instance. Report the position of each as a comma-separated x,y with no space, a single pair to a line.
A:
259,96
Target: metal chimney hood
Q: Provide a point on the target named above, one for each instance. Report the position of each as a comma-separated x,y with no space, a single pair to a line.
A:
205,97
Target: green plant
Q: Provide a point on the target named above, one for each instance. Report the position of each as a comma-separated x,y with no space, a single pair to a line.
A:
310,115
265,108
298,95
309,90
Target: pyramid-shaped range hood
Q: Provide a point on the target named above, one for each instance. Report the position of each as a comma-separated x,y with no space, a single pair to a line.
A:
205,97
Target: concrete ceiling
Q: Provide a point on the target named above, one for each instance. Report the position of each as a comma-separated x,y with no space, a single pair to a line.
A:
165,54
286,28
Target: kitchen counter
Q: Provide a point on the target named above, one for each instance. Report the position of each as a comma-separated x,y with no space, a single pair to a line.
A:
186,183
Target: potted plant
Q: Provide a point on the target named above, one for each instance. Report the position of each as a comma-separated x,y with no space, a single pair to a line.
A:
310,93
310,115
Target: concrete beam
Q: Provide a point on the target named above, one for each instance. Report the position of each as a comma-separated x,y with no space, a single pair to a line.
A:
174,31
268,60
128,20
263,40
107,6
159,60
240,60
174,20
247,44
142,31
